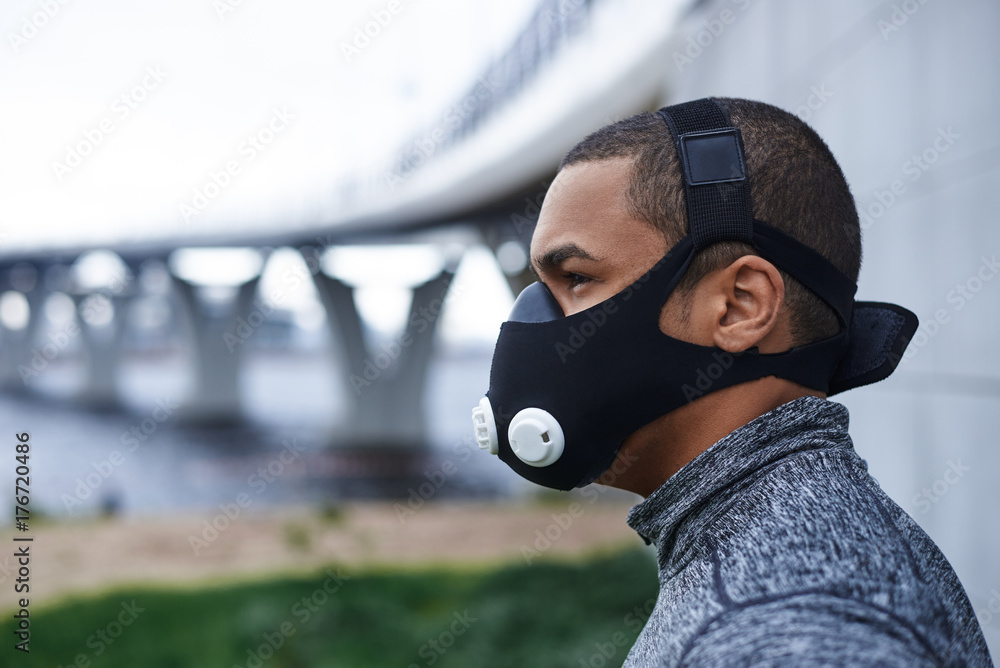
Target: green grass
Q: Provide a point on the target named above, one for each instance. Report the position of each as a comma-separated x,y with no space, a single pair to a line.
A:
549,614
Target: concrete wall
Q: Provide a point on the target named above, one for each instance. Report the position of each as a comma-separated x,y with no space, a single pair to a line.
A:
887,85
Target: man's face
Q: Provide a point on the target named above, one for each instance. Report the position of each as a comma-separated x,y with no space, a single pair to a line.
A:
586,246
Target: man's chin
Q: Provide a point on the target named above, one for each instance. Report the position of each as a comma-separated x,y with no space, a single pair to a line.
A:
624,469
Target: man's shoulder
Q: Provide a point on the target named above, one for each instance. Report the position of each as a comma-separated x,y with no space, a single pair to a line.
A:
816,519
817,524
821,499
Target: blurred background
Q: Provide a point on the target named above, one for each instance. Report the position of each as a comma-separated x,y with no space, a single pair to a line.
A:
254,257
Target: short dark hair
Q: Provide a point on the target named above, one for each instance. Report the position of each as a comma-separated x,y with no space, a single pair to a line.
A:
796,186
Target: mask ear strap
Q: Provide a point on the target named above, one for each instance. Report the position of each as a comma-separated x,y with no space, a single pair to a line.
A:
808,267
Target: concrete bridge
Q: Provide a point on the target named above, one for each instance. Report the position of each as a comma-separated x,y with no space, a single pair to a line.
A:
477,176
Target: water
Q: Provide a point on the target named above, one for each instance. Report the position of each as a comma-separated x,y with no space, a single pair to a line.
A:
145,460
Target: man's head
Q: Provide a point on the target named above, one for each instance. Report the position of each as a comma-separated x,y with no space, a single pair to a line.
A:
619,197
618,204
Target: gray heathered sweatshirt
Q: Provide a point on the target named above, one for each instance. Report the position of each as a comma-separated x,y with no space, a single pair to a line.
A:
777,548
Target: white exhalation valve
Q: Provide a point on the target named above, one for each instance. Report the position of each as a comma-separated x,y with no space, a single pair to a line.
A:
536,437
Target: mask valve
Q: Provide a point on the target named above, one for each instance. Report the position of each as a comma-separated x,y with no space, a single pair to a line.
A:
485,426
536,437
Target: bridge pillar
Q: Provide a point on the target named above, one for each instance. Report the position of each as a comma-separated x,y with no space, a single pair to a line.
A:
385,384
18,367
215,395
102,345
510,245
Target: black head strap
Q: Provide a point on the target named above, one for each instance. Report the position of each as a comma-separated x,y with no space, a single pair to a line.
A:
716,187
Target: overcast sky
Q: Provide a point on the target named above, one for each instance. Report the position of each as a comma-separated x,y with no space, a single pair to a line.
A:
118,114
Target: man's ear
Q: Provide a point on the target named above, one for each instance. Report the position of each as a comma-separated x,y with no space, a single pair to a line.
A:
749,294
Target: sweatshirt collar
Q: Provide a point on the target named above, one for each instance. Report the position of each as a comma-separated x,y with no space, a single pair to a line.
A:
682,507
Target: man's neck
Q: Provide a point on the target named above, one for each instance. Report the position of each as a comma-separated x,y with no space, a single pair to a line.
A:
657,451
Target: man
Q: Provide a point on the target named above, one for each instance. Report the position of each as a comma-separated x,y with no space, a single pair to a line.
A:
695,309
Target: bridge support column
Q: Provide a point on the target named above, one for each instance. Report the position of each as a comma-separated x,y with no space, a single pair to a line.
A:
102,346
215,396
510,248
385,384
18,365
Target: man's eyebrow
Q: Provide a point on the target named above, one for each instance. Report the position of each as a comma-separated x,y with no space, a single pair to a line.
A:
555,257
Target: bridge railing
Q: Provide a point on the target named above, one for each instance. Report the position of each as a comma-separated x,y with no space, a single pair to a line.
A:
552,25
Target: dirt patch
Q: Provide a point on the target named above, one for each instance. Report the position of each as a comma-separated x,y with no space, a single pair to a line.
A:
181,550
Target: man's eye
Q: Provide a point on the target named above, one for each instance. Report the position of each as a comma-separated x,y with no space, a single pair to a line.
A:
576,279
